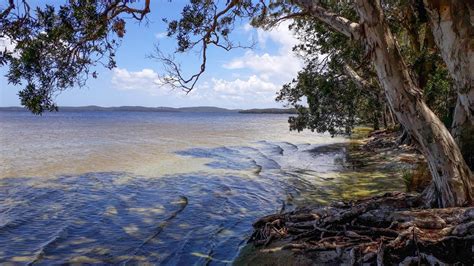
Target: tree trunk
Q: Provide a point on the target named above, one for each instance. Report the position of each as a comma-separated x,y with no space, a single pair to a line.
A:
453,181
391,119
452,24
463,133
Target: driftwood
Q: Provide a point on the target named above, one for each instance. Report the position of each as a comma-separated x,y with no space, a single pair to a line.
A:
388,229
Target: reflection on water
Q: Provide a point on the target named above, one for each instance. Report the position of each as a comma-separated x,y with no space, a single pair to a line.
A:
160,188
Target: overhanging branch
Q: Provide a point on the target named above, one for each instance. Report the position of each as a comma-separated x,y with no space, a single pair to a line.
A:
336,22
362,83
174,76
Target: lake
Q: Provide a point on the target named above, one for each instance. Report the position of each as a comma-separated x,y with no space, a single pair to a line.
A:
169,188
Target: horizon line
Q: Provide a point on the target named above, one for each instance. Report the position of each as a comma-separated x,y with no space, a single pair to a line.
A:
141,106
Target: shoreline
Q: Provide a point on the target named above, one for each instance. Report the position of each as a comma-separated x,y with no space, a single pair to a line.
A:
290,238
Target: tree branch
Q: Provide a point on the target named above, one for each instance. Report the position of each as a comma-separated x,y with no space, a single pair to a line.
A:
11,5
175,77
362,83
336,22
138,14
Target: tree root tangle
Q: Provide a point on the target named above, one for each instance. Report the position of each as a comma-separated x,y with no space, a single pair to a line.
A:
387,229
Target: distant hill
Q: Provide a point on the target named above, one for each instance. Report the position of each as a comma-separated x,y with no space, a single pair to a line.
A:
268,111
13,109
94,108
197,109
206,109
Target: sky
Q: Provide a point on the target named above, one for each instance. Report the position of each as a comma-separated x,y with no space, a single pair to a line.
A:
241,78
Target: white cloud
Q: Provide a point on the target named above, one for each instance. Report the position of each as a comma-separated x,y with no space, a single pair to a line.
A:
268,72
8,45
161,35
253,85
280,67
236,93
279,34
144,80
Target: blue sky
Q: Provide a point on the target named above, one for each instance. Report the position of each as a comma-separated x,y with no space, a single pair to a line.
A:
241,78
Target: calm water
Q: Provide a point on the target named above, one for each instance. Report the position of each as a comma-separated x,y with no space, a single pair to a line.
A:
162,188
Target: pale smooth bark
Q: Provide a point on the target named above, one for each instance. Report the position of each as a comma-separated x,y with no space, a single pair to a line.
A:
338,23
452,178
363,84
462,130
452,24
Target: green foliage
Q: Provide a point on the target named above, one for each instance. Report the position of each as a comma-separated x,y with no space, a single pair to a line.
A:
440,95
56,47
332,103
408,20
327,99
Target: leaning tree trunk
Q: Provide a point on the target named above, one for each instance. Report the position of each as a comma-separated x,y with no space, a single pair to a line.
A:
453,181
452,24
463,131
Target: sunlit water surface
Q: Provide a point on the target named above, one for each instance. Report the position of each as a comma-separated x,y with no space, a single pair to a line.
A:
161,188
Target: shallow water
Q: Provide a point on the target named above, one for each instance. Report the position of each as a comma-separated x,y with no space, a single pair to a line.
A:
164,188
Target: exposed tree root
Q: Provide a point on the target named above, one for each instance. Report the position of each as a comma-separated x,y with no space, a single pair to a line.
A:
387,229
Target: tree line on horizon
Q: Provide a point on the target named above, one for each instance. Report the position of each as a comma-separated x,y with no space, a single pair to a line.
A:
383,62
